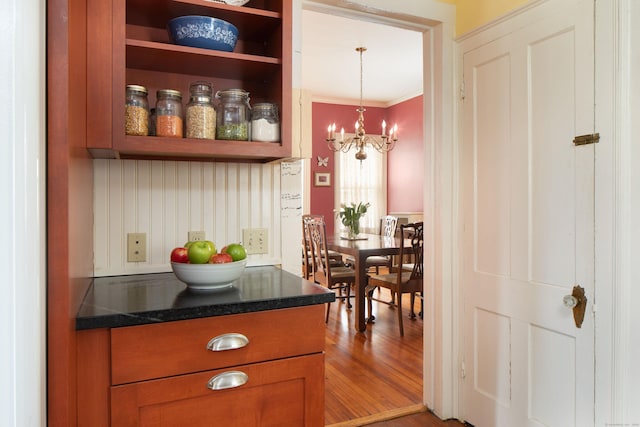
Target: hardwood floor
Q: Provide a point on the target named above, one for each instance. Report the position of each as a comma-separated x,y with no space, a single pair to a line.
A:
375,372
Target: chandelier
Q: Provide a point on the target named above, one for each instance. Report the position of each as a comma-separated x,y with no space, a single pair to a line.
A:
361,140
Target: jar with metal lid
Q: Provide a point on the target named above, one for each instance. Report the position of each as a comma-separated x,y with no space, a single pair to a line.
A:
200,112
265,125
234,115
136,111
169,113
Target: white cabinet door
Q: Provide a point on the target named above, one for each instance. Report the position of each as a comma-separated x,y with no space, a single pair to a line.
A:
528,221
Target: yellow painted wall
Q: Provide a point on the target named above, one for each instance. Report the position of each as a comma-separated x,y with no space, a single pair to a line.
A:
471,14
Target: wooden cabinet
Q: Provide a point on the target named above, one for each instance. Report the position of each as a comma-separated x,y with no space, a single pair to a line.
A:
159,374
274,395
127,43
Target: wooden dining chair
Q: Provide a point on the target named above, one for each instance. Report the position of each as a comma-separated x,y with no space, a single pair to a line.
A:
307,263
388,224
333,277
401,281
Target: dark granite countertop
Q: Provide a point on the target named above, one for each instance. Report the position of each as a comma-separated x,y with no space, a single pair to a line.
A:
151,298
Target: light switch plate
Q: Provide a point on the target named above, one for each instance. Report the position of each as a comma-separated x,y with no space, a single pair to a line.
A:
255,240
136,247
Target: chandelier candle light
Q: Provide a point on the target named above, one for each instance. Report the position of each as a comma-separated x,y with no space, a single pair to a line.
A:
360,140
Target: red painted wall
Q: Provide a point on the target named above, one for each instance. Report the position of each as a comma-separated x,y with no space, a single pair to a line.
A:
405,163
408,116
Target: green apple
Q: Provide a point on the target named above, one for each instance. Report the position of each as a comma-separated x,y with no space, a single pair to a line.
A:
236,251
200,252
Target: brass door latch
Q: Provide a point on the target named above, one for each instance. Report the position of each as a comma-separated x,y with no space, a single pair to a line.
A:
591,138
578,302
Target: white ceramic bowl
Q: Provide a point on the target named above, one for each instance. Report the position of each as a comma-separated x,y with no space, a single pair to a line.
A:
208,276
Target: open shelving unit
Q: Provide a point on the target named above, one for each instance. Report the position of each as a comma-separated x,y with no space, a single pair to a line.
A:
128,44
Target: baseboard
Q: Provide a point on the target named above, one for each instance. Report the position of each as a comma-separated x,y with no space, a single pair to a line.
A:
382,416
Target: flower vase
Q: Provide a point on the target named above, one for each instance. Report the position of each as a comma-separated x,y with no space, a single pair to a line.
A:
353,231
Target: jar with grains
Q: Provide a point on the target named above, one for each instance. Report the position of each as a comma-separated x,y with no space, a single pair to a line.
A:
265,125
136,111
234,115
169,113
200,113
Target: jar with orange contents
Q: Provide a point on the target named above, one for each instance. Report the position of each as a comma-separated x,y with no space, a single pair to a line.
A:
169,113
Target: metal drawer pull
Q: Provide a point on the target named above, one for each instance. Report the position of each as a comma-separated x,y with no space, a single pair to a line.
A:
226,380
224,342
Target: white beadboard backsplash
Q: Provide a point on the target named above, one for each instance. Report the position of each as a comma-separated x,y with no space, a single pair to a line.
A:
167,199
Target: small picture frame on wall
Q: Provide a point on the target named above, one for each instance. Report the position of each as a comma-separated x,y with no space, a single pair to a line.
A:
322,179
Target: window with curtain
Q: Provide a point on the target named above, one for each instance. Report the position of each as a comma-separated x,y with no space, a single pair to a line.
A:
362,181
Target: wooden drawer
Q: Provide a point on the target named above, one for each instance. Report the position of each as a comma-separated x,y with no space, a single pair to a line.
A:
174,348
286,392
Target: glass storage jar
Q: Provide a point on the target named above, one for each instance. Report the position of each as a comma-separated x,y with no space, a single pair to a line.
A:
234,114
136,111
265,125
200,113
169,113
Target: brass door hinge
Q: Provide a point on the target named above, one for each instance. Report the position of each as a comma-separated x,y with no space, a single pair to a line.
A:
586,139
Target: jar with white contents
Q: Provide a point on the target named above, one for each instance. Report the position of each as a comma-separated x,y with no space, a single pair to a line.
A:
265,125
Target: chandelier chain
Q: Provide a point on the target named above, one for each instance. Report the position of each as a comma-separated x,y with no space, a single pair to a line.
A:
360,141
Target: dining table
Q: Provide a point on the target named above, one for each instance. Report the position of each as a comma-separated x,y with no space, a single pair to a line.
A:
360,248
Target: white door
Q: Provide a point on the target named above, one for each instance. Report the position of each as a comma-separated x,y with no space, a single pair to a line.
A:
528,218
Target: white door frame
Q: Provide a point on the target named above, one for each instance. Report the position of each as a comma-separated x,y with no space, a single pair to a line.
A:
617,210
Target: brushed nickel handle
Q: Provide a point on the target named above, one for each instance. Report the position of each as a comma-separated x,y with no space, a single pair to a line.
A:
225,380
232,341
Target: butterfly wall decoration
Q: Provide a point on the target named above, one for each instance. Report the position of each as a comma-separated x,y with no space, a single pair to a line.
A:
323,161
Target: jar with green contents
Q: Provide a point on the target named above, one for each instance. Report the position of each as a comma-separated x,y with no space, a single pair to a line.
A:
234,115
136,111
200,113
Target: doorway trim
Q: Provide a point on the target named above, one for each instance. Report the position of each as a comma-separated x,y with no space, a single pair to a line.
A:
437,22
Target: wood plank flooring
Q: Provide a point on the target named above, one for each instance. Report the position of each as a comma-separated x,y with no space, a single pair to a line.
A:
375,372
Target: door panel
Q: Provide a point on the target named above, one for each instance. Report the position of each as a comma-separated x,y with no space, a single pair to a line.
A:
552,159
527,209
492,167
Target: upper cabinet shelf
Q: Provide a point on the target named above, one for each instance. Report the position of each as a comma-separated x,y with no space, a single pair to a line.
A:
131,46
169,58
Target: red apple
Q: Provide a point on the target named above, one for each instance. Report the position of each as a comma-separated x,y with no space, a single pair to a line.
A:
221,258
180,254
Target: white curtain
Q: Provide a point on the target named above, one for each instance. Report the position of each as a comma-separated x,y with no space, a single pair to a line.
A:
362,181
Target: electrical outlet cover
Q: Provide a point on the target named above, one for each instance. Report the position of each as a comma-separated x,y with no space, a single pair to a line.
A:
193,236
136,247
255,240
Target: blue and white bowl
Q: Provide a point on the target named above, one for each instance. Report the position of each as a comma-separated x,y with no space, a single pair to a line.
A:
204,32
